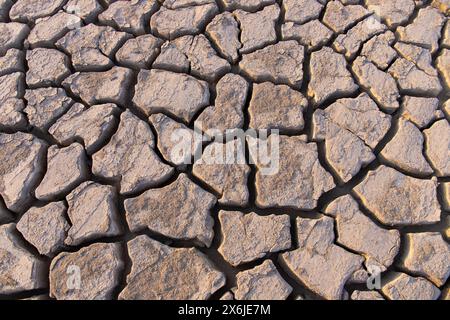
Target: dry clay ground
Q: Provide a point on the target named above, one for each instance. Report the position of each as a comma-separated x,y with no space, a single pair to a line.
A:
93,206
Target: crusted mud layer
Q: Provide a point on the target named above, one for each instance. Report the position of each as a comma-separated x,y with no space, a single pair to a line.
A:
97,201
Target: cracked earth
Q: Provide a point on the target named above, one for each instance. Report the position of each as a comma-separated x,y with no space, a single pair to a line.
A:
93,205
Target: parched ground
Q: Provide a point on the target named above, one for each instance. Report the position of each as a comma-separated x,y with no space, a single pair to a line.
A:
94,205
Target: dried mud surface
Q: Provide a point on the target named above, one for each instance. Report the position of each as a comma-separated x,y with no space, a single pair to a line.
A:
94,206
